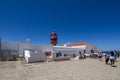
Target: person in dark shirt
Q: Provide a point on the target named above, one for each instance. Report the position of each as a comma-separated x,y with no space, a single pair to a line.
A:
107,55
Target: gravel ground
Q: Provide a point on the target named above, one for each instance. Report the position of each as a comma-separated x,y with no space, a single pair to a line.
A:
84,69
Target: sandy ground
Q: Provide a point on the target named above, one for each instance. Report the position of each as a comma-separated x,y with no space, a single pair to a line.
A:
86,69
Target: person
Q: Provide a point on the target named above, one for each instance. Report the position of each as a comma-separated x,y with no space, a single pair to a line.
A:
118,54
80,55
115,54
107,55
83,56
112,58
100,55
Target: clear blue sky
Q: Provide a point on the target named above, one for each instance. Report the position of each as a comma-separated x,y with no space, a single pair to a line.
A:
93,21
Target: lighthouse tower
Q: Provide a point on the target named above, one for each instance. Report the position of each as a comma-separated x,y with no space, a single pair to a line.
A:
53,38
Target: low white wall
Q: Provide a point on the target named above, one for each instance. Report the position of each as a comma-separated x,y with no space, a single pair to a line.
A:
34,56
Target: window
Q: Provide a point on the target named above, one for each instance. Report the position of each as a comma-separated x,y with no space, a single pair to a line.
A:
84,51
79,52
65,55
74,55
92,51
58,54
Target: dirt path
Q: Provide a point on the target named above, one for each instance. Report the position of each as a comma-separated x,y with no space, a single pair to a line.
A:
88,69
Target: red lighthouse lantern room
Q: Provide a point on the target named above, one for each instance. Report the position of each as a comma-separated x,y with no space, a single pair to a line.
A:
53,38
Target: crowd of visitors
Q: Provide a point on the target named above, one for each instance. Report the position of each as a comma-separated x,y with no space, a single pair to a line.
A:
110,57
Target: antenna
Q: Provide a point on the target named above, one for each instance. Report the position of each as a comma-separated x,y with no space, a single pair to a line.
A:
28,40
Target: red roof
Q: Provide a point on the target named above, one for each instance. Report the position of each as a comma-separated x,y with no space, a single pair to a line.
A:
79,44
53,33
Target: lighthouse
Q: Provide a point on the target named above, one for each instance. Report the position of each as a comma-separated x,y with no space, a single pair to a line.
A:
53,38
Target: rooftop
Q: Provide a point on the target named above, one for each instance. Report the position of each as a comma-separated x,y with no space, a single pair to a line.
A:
79,44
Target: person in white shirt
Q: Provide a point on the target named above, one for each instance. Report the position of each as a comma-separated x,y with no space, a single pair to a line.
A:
112,58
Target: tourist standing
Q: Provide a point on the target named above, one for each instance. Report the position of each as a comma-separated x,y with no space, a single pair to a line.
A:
112,58
115,54
100,55
107,55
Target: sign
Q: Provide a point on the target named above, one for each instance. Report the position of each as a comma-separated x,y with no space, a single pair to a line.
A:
47,53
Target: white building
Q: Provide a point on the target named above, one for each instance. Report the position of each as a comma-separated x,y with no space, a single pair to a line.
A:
34,53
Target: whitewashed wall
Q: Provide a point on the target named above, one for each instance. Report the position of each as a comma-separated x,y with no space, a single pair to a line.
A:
67,51
22,47
34,56
37,53
40,56
89,48
9,46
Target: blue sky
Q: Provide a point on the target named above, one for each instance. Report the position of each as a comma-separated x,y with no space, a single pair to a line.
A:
92,21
